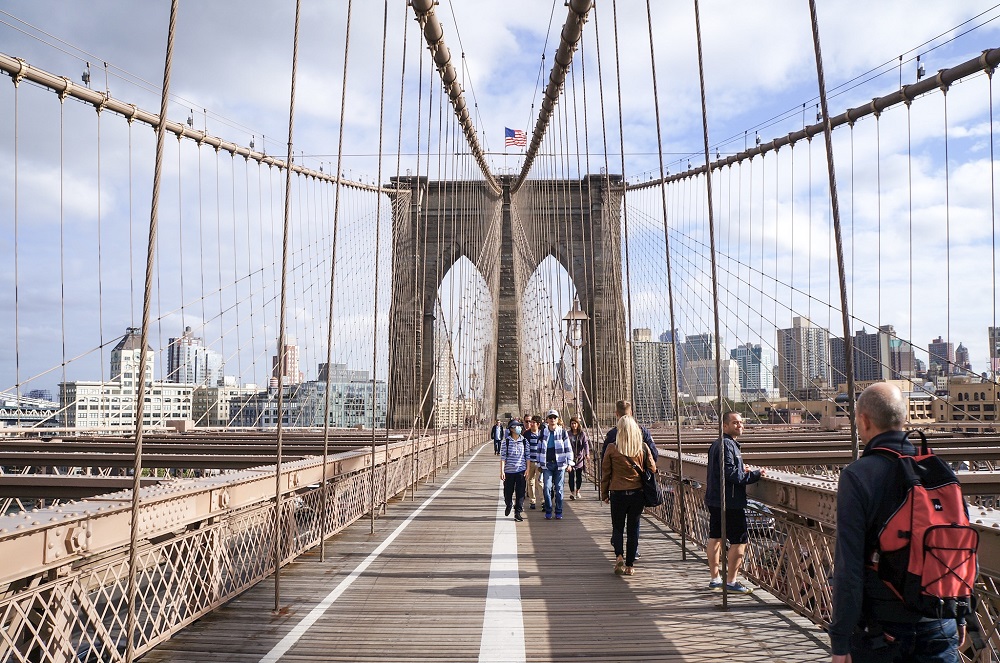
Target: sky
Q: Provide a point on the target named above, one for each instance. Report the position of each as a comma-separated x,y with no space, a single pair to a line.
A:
231,74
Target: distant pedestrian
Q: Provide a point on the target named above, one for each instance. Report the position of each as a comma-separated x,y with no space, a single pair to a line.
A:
738,476
497,434
581,452
555,456
513,465
623,408
534,474
621,485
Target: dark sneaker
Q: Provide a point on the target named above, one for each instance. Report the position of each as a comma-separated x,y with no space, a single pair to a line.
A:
715,585
531,506
548,516
506,511
558,516
518,517
738,588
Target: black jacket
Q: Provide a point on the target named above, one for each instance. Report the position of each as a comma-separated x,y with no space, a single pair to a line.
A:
857,591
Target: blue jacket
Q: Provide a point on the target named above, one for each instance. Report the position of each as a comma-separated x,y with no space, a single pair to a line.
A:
857,590
736,478
514,454
563,448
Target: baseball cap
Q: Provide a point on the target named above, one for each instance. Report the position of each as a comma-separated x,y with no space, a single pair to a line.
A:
552,413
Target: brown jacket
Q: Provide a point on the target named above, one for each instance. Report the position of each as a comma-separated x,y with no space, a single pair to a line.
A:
618,474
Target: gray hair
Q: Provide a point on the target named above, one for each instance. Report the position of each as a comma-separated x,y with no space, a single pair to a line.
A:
884,405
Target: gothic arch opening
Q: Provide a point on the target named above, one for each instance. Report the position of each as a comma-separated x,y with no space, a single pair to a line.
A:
464,352
551,349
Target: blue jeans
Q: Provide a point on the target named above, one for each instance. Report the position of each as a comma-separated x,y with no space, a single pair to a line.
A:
933,641
553,477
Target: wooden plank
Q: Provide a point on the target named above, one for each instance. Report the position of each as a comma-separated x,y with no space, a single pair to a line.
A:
423,598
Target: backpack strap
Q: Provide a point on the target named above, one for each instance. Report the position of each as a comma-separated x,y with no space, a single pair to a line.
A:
924,449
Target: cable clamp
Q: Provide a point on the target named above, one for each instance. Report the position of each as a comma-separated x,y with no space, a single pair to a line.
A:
67,83
940,81
22,66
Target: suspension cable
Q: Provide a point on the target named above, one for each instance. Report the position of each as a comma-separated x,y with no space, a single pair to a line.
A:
835,205
674,387
282,313
133,553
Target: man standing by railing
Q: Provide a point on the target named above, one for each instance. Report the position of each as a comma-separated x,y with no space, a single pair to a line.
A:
727,450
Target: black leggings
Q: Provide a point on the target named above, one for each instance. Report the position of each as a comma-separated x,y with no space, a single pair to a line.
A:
575,479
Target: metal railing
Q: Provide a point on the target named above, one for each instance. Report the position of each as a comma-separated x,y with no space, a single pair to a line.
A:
790,554
212,539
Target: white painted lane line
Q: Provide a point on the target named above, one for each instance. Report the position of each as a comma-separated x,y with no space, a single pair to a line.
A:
300,629
503,624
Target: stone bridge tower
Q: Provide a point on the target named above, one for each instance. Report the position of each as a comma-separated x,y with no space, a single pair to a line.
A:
506,237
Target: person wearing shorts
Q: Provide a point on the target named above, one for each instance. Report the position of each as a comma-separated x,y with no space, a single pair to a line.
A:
738,476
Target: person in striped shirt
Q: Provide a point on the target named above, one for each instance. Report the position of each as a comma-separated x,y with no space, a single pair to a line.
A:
513,463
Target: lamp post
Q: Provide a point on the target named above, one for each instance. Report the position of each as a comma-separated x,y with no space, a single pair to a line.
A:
575,320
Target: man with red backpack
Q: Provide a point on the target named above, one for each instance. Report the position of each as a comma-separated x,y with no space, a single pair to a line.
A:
872,621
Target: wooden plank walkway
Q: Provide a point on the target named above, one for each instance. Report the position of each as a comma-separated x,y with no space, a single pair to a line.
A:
423,598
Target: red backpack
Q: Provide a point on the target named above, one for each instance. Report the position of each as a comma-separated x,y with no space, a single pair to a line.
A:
926,549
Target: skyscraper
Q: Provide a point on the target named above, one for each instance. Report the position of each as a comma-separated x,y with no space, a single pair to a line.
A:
756,371
941,354
872,359
190,362
652,394
699,347
962,363
803,356
289,365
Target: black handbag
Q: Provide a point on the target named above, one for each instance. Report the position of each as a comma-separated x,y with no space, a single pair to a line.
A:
651,495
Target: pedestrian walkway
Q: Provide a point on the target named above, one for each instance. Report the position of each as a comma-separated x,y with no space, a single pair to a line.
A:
440,565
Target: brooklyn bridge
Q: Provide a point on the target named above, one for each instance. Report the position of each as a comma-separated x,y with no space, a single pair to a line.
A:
270,277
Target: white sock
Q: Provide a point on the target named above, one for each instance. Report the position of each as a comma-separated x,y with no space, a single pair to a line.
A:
717,579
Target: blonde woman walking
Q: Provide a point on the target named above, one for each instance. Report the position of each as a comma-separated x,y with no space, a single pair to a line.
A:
621,485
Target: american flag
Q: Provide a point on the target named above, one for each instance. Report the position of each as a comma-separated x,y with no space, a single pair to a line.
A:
514,137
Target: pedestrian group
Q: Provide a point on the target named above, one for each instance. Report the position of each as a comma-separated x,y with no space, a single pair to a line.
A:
871,622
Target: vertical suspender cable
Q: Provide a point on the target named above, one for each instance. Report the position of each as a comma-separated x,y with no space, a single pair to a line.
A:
378,230
333,271
282,315
949,365
161,126
715,300
835,206
395,202
17,336
675,391
994,360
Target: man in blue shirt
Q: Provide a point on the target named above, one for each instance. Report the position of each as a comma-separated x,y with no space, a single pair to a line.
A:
555,454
